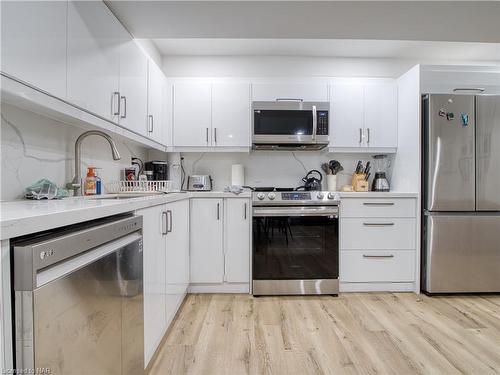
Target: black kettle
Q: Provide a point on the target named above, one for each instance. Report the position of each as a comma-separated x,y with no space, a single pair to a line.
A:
311,182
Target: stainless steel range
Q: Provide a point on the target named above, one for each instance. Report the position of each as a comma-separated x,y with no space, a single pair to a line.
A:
295,242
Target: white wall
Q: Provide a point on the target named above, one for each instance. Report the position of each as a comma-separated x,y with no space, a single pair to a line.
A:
35,147
264,168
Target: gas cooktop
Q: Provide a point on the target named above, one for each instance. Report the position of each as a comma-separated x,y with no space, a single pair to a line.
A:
291,197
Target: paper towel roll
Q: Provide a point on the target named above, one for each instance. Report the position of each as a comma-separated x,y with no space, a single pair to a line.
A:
238,175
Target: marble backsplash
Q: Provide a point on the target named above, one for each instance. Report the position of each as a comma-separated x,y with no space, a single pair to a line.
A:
35,147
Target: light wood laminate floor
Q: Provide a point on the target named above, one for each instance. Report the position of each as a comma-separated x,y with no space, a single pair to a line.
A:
372,333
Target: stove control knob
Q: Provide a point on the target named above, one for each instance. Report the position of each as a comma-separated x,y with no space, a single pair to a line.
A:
261,196
320,195
331,195
271,196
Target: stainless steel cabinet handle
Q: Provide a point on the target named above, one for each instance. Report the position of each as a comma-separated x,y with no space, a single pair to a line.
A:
151,123
360,135
378,256
207,135
289,100
164,218
215,135
116,95
378,224
124,98
378,203
170,221
245,211
368,136
315,122
218,211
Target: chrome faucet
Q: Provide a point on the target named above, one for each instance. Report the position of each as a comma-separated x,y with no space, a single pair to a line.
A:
76,184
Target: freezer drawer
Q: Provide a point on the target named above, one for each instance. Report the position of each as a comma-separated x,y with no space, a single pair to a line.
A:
488,153
461,253
449,153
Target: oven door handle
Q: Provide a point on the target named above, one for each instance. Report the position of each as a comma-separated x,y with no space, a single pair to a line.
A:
295,211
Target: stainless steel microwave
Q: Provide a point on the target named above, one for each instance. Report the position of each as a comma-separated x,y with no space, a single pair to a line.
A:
290,124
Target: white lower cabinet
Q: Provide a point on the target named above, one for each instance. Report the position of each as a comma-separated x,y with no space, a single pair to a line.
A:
237,240
165,268
177,259
378,244
154,260
220,245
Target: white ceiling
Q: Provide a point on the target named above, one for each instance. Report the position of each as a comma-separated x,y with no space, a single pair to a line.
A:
330,48
457,21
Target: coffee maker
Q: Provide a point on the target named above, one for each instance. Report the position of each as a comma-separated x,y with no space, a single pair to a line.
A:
380,181
157,169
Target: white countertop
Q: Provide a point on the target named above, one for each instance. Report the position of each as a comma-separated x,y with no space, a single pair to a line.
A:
21,217
18,218
378,194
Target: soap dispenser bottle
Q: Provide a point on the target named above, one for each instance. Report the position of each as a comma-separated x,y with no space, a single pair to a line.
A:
90,182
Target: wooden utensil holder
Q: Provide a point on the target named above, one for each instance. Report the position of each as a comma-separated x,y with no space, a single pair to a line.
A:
359,183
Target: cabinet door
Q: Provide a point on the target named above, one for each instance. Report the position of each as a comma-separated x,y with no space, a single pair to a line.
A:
156,90
381,115
177,260
94,40
34,43
192,114
154,278
308,92
133,86
206,258
231,114
346,115
237,240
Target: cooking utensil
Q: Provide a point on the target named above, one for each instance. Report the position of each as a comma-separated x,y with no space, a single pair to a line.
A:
367,168
335,166
311,182
326,168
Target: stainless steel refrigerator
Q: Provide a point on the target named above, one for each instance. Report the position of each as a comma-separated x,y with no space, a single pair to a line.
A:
461,187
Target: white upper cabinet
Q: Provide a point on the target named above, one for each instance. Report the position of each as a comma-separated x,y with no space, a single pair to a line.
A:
231,114
192,114
237,240
94,40
133,86
207,256
307,92
156,121
381,115
346,116
363,117
34,43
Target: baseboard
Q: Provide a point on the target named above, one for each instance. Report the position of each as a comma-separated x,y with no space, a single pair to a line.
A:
376,287
220,288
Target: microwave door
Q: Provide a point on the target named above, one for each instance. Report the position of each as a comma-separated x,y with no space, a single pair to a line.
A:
283,125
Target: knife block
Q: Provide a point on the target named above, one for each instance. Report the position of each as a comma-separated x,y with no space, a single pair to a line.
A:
359,183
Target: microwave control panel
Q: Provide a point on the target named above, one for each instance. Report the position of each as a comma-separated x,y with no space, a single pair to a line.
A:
322,123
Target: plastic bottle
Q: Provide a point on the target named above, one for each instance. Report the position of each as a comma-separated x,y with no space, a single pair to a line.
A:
90,181
98,183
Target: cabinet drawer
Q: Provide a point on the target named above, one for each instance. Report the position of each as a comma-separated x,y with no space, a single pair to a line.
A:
378,207
377,233
377,266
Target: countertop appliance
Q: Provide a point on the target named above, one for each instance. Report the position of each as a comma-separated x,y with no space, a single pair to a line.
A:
295,239
201,182
158,168
312,182
380,181
461,203
79,298
290,124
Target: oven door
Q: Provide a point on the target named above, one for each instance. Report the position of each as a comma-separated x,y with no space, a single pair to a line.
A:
290,122
295,250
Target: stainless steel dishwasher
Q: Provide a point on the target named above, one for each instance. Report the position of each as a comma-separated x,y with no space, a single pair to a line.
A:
79,299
